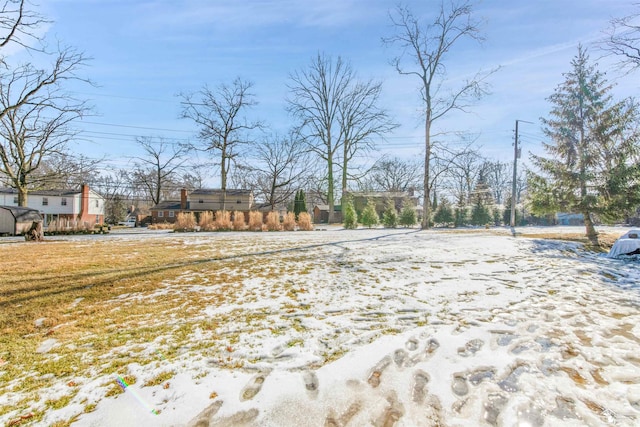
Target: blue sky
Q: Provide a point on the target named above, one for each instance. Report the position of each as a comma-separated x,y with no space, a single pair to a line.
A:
145,52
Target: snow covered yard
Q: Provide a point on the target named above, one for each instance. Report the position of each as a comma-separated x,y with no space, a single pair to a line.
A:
335,328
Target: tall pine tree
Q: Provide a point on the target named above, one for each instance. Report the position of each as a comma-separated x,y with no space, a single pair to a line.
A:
586,129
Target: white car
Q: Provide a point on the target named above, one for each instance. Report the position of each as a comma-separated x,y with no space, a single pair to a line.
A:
129,222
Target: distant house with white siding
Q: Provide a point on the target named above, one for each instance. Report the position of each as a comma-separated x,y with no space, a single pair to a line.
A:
84,204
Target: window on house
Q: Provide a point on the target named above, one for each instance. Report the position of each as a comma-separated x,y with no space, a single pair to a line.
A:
160,214
171,214
239,201
200,201
15,200
63,202
45,201
97,203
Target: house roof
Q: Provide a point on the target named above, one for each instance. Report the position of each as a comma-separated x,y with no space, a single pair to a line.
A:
217,191
389,194
336,208
167,205
42,192
23,214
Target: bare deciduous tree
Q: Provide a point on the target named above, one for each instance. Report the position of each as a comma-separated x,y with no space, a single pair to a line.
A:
463,173
338,115
218,114
17,23
158,169
623,40
498,178
65,170
115,187
35,114
278,168
360,120
395,175
425,48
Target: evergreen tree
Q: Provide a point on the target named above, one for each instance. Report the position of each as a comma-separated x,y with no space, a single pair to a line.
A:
390,216
480,214
303,202
408,216
444,214
349,216
592,165
369,216
299,204
497,220
460,216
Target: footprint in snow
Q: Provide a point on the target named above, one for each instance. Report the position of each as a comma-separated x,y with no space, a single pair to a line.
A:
343,420
391,414
203,419
310,381
471,348
253,387
432,346
412,344
376,372
238,419
459,384
418,391
400,356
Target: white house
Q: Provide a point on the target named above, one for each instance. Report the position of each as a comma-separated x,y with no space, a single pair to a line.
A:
83,205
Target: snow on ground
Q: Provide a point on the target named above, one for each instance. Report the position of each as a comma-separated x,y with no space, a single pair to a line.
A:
422,329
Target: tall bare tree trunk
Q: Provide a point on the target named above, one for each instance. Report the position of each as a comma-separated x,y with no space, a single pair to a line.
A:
330,189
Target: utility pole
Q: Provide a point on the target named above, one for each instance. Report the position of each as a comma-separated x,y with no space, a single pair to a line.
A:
516,155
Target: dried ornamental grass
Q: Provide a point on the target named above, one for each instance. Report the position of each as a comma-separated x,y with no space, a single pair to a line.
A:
239,223
206,222
304,221
255,221
223,220
289,222
161,226
273,221
185,221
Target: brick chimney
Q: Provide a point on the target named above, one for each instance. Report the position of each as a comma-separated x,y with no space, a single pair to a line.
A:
183,199
84,203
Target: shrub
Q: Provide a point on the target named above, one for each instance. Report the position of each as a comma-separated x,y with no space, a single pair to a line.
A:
206,221
255,221
350,218
390,216
480,214
185,221
289,222
460,216
408,216
239,223
273,221
369,216
304,222
223,220
444,214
